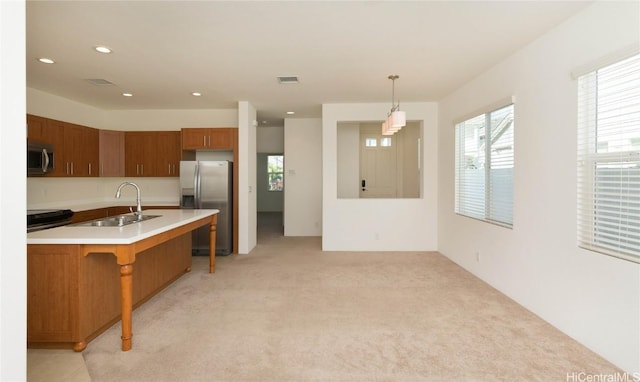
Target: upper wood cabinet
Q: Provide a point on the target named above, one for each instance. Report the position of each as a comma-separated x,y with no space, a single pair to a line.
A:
140,153
169,153
75,147
81,151
111,153
221,138
36,128
152,153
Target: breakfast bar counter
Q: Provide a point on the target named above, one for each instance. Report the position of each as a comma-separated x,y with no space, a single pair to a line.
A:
70,297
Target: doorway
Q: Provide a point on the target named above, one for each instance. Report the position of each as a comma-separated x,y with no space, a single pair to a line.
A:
270,196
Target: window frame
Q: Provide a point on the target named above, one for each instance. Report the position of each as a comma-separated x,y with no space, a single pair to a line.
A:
276,173
490,198
597,192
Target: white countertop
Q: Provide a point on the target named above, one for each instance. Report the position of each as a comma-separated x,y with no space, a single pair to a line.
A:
70,234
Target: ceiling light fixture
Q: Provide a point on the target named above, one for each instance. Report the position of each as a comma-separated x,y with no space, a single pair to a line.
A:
396,119
127,94
196,94
103,49
45,60
291,112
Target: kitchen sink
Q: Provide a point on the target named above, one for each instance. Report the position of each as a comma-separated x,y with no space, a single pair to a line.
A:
115,221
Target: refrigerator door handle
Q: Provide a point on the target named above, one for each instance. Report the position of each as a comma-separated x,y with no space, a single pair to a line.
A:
196,187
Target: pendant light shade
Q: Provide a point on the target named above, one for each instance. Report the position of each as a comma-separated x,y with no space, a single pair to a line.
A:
396,119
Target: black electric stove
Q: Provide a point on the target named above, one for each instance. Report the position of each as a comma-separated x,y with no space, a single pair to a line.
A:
43,219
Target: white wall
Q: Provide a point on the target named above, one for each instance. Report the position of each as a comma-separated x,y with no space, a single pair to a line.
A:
13,253
302,177
379,224
592,297
63,109
149,120
270,140
247,205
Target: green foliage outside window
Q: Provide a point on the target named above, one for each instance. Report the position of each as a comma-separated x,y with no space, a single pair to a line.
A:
275,171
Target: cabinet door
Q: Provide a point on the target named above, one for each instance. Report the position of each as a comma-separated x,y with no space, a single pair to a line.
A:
140,153
221,139
53,133
36,128
111,153
169,153
195,138
81,150
91,152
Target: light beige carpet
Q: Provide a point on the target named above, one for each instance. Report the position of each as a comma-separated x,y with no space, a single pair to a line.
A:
290,312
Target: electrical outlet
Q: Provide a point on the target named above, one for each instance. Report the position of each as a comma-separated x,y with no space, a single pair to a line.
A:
478,256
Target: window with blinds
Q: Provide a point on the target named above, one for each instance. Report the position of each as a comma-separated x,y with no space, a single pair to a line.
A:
484,167
609,160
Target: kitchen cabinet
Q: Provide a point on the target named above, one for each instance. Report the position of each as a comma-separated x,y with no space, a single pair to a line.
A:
49,131
140,153
208,138
75,146
152,153
81,283
111,153
169,153
80,151
36,128
73,296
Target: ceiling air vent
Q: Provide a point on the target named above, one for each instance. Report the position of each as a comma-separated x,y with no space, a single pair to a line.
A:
98,81
288,80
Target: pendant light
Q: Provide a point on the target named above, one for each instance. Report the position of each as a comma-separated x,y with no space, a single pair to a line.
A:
396,119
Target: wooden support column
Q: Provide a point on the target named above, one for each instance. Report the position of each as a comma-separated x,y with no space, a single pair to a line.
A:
126,296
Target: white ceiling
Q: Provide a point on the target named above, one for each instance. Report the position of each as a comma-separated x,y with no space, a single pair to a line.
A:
233,51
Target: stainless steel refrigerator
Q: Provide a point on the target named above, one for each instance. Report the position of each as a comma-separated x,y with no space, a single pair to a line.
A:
209,185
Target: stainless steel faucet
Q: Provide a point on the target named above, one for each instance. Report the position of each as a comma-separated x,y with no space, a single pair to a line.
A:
138,211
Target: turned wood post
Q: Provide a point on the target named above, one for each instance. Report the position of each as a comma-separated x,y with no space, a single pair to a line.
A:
126,299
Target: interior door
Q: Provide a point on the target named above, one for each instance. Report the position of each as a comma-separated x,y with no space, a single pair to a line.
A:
378,157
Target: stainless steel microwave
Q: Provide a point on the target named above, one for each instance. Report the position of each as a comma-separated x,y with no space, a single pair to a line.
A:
39,158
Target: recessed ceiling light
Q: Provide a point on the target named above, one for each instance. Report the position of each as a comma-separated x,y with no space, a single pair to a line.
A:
291,112
45,60
103,49
196,94
127,94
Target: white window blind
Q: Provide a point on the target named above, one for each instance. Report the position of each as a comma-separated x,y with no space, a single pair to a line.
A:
609,160
484,166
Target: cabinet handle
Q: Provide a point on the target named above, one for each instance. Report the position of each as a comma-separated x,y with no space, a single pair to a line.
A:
204,141
101,168
137,169
71,168
169,168
66,170
142,169
209,140
89,168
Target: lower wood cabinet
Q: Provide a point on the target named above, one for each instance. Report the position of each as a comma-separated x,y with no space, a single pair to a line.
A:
71,298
